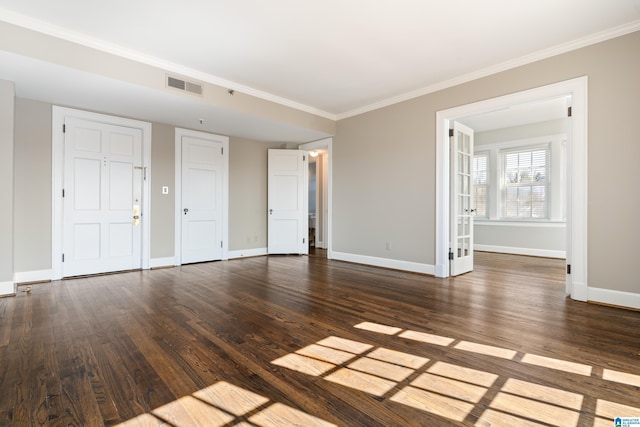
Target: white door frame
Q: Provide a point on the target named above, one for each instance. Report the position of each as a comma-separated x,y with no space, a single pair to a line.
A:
327,144
57,179
576,285
224,140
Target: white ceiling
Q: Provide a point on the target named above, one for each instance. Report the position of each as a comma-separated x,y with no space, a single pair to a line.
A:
334,57
517,115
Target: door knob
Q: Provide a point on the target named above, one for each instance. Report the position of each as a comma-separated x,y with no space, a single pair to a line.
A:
186,210
270,211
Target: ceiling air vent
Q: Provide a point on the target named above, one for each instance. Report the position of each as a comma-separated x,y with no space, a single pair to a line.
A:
184,85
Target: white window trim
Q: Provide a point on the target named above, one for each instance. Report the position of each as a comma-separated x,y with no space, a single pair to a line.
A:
555,143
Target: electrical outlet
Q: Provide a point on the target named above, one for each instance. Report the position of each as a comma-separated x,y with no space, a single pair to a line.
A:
387,246
165,190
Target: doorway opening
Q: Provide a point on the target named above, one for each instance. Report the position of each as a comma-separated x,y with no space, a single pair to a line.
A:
319,196
576,169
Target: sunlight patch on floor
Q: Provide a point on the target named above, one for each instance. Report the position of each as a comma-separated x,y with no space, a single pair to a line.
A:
230,398
560,365
371,384
304,364
350,346
283,415
224,404
621,377
488,350
443,406
189,411
398,358
448,390
472,376
375,327
427,338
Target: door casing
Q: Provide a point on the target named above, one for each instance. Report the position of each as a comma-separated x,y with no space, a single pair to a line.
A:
284,164
576,283
179,133
57,179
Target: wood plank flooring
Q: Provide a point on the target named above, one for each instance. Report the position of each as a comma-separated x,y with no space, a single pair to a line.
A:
287,340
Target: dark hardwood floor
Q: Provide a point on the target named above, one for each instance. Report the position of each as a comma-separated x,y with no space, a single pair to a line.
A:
287,340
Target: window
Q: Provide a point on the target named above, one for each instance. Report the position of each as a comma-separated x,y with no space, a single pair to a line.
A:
525,183
481,184
521,180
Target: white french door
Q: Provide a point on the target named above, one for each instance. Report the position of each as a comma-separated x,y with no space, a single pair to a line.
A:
287,216
461,221
102,203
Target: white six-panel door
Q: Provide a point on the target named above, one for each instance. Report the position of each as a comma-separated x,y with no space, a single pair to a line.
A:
461,234
287,216
102,197
202,202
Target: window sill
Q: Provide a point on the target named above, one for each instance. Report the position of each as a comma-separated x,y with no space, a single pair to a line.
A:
520,223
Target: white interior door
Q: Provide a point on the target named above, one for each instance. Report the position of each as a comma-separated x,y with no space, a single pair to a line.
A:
287,202
102,198
461,233
202,202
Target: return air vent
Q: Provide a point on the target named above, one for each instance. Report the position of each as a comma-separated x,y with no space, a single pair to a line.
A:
184,85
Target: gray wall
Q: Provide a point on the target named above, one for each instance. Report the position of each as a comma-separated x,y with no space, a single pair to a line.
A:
541,238
248,193
384,162
163,166
32,185
7,97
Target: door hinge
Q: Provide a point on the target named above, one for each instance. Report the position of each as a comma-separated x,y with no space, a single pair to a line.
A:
569,112
64,128
450,133
62,257
220,243
304,240
304,158
450,255
63,192
568,268
222,150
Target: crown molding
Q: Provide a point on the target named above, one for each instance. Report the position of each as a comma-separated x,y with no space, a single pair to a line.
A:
114,49
74,37
504,66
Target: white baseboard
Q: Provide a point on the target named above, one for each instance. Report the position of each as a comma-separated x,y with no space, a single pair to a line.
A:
546,253
619,298
33,276
162,262
395,264
244,253
580,291
7,289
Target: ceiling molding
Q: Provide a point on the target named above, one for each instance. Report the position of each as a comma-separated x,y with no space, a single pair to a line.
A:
117,50
81,39
524,60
